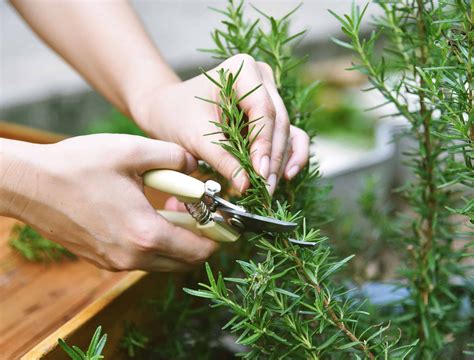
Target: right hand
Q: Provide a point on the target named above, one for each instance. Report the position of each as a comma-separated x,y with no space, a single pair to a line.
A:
86,193
171,112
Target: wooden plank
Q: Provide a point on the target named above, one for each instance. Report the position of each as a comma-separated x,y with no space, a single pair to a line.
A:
36,299
110,310
24,133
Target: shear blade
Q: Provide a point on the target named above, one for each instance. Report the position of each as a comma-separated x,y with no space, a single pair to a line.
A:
258,224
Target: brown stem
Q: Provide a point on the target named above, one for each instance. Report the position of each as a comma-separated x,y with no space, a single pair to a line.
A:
327,305
470,46
426,234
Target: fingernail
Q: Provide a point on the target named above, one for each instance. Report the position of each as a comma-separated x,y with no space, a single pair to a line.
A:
264,166
191,163
271,183
290,174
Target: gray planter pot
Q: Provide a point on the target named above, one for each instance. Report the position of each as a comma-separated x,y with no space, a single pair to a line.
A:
347,169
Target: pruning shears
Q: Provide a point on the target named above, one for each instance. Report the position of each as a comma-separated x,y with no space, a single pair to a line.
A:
209,214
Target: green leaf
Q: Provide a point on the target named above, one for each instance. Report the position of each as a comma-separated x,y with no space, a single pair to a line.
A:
349,345
68,350
287,293
200,293
250,339
94,341
342,43
210,78
210,276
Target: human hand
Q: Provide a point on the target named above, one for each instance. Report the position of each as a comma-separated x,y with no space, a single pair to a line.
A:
172,113
86,193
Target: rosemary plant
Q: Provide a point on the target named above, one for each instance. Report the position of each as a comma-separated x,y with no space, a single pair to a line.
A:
425,73
285,303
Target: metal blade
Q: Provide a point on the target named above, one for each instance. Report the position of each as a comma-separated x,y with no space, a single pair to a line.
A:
257,223
240,218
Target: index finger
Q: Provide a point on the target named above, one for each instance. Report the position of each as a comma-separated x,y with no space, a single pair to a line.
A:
181,244
257,104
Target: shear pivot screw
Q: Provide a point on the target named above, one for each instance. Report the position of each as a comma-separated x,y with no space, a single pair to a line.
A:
212,187
235,221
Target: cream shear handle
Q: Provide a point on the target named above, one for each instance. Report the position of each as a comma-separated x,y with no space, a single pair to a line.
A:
190,190
184,187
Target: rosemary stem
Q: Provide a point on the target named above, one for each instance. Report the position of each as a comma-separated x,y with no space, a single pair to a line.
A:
327,305
429,194
470,80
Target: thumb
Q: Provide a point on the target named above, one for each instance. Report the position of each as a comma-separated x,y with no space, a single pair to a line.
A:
155,154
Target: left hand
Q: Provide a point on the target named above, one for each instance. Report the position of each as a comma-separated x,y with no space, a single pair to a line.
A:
172,113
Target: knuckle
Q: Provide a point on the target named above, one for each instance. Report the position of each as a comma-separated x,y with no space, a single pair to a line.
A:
299,136
277,158
143,236
299,132
125,263
283,122
265,67
239,58
107,265
201,255
305,137
121,261
265,108
225,164
263,143
113,266
178,156
131,149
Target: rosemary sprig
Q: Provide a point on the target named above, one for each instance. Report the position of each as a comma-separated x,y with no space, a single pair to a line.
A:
34,247
233,124
94,351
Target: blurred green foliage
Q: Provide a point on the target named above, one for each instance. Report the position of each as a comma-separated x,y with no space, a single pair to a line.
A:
340,117
133,340
114,122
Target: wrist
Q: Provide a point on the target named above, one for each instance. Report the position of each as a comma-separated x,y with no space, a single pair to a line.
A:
148,77
15,175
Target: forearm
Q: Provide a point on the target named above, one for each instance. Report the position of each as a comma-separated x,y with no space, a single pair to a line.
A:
105,42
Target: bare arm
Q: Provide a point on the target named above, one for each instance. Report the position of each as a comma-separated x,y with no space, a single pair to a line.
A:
102,40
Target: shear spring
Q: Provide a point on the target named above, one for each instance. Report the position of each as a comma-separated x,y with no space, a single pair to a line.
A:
199,211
